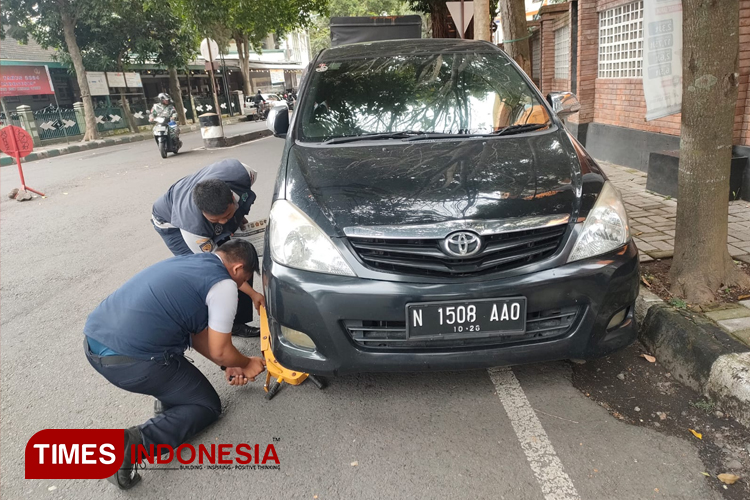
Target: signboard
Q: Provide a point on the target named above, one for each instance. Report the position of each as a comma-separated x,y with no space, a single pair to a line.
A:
97,83
25,80
204,49
277,75
133,80
115,79
15,141
662,57
455,9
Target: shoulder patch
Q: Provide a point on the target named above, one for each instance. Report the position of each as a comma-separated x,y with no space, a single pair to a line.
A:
205,244
244,197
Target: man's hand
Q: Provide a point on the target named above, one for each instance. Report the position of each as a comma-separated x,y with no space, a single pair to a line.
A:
258,300
235,376
254,367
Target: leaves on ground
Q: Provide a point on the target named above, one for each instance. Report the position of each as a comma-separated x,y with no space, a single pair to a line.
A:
696,434
728,478
648,358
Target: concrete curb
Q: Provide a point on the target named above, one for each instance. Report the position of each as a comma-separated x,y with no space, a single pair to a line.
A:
698,353
64,149
234,140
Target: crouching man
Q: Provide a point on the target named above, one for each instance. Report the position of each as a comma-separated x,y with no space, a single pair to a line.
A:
136,339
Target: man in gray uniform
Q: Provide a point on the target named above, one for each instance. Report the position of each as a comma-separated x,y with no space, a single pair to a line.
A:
136,339
200,212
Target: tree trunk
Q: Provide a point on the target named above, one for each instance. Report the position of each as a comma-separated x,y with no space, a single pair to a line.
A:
701,262
75,55
439,19
482,20
125,104
243,50
513,17
174,89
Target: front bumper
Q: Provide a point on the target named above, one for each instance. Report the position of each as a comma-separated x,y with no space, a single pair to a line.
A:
326,306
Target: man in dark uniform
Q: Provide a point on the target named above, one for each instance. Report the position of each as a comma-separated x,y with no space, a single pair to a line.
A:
202,211
137,336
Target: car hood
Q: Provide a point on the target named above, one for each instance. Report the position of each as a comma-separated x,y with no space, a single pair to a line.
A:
423,182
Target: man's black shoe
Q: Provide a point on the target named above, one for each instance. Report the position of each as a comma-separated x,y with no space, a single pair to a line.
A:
127,475
243,331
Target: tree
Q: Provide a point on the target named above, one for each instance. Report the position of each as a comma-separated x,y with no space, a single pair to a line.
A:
482,20
516,31
438,13
710,54
249,22
57,23
173,43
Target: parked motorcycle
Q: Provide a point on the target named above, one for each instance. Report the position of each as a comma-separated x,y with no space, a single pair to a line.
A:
167,136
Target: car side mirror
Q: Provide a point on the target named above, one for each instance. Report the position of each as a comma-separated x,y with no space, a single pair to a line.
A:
278,121
563,103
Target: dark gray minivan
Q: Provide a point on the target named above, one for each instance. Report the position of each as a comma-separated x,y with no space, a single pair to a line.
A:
431,212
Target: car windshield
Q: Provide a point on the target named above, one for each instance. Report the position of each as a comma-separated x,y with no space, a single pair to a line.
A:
453,93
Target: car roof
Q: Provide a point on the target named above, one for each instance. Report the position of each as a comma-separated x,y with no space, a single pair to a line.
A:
413,46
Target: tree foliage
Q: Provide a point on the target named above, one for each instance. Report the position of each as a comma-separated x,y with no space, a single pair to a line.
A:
58,24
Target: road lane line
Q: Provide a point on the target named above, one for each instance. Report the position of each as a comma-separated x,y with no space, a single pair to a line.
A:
547,467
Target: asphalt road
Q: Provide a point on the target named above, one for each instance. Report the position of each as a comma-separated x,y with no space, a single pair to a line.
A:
517,434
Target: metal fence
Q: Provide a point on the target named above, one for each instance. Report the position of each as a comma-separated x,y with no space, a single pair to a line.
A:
14,120
109,118
56,124
206,105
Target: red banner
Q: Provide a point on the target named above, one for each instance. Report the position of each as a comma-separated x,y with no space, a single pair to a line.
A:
25,80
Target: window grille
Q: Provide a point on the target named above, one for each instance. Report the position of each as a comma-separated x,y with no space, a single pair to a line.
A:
621,41
562,53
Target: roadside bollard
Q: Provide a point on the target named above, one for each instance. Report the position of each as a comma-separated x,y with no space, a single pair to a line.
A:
211,130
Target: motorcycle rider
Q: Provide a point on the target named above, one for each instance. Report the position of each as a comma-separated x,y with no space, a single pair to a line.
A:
258,100
164,108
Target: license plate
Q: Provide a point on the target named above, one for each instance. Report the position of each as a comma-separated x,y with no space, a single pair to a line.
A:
470,318
160,129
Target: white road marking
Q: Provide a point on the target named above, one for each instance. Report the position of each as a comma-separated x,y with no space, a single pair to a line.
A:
547,467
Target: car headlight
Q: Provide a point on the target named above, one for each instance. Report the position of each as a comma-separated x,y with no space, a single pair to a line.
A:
297,242
606,226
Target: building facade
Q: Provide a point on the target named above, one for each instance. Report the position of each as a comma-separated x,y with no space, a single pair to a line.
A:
594,48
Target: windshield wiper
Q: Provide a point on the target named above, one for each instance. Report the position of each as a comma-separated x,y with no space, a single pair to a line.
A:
417,135
403,134
518,129
512,129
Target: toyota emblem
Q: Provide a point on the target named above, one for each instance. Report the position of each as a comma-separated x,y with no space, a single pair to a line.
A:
462,244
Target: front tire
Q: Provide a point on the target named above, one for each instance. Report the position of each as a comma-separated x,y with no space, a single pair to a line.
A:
163,148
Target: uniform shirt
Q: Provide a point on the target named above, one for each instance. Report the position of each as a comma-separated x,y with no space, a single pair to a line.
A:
167,111
158,309
176,208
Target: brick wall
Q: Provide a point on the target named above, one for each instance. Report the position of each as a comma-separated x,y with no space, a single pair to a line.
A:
744,122
560,85
588,64
548,54
620,102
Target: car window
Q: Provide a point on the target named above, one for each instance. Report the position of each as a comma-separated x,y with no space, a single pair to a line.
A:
470,93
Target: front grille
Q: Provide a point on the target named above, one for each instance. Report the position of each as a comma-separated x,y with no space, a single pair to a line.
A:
392,334
424,257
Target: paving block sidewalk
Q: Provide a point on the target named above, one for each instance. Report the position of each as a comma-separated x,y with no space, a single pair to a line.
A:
652,217
74,147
